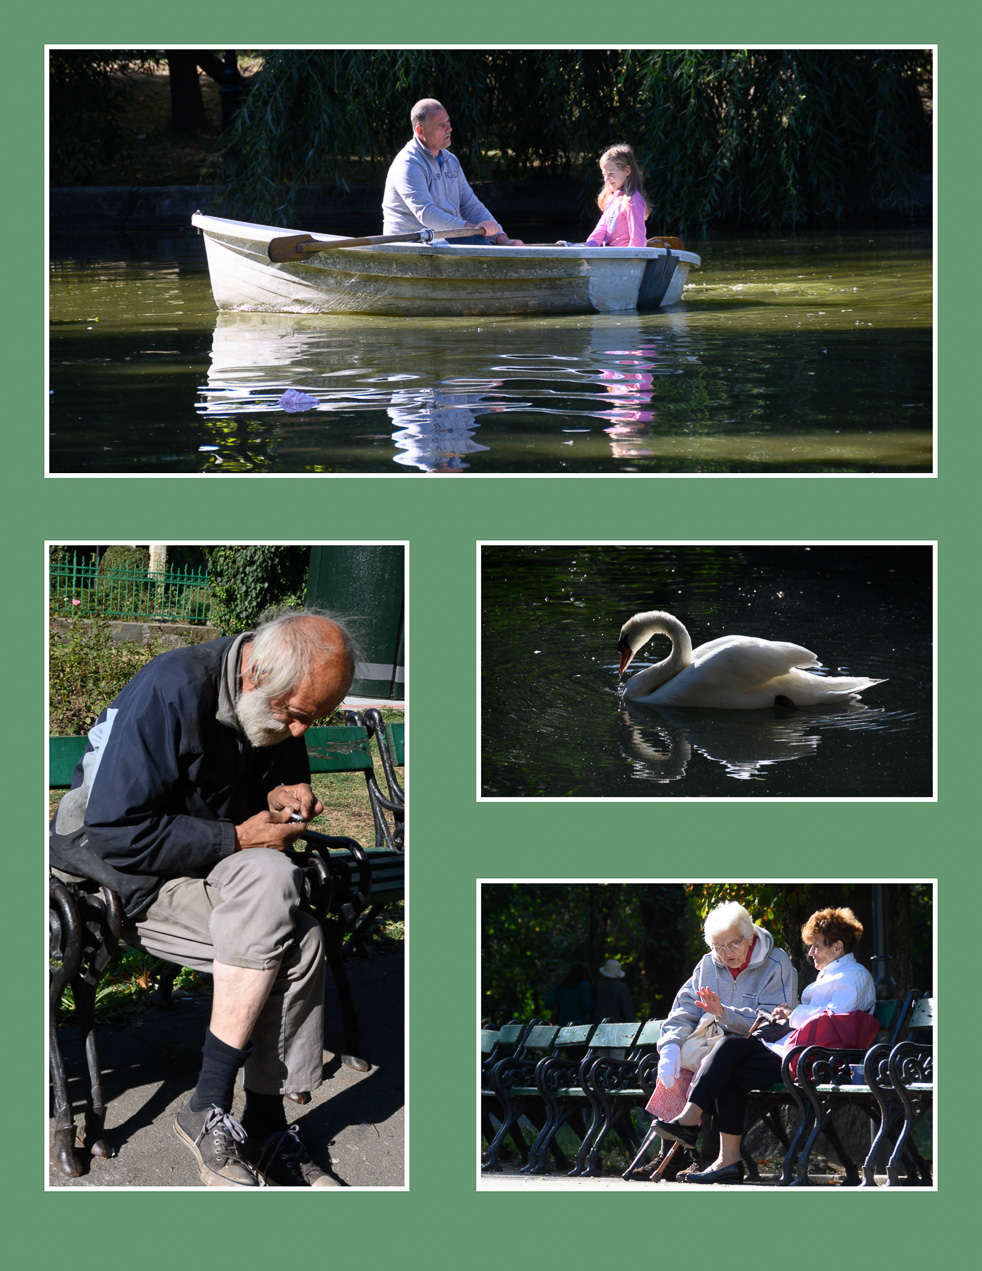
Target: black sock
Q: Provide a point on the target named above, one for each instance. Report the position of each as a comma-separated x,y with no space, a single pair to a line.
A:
264,1114
216,1081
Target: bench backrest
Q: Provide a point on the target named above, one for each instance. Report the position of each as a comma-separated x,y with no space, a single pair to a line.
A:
573,1035
649,1034
397,740
63,754
922,1016
339,748
621,1036
539,1038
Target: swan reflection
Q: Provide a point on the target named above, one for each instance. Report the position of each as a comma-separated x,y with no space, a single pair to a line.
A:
660,741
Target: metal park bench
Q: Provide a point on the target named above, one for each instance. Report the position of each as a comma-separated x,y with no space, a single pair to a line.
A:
897,1087
345,885
548,1081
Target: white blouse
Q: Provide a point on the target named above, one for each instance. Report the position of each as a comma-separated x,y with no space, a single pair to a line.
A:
842,986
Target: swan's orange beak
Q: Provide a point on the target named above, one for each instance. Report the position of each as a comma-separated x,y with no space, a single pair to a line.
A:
627,653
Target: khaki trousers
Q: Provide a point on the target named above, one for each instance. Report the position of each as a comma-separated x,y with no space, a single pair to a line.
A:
246,913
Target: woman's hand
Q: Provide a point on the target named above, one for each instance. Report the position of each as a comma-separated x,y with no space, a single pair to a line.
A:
709,1001
781,1012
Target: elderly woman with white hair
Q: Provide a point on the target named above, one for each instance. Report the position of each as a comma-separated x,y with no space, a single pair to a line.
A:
742,973
741,1063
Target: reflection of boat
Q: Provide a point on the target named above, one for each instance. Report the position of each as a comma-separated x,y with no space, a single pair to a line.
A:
437,279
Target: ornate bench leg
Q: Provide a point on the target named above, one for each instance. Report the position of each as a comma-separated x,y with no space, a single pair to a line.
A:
65,955
95,1105
350,1029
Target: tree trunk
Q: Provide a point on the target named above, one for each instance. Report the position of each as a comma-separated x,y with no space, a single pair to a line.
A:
187,106
662,955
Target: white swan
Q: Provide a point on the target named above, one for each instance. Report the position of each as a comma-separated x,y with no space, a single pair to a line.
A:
730,673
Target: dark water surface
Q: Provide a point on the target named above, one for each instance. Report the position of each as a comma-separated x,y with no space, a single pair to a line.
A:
553,724
807,354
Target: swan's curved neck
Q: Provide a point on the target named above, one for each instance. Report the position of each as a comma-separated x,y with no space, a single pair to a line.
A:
640,630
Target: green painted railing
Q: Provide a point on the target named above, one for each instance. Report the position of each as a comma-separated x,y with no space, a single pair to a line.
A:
138,595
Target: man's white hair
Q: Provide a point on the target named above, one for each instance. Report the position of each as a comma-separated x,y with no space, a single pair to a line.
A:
725,917
288,645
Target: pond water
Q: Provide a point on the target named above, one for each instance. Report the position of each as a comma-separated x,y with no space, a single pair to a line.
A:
553,722
806,354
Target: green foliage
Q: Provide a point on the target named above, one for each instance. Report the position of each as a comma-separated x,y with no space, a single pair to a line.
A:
86,671
88,90
249,580
749,137
131,977
775,137
123,556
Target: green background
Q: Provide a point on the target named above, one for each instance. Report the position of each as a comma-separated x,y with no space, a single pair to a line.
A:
443,1219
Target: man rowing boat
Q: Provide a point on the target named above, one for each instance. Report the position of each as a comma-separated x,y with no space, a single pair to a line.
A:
426,187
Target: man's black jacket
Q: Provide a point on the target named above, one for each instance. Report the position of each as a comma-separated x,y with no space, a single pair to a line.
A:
163,783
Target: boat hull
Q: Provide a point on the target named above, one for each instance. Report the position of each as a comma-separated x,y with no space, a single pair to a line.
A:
437,279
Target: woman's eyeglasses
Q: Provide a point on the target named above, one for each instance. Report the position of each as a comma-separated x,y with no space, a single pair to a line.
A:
729,948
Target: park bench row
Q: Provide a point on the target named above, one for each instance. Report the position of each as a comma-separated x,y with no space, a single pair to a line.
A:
345,887
596,1079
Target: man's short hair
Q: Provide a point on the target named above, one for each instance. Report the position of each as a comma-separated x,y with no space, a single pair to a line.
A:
421,111
288,645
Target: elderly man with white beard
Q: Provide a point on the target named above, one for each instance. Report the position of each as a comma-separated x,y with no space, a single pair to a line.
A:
193,782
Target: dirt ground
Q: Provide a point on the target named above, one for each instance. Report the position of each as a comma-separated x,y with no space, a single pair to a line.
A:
150,151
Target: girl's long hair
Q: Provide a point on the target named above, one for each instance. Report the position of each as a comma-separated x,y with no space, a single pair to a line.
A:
623,156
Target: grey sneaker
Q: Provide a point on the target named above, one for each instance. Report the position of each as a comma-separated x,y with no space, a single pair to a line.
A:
282,1161
214,1137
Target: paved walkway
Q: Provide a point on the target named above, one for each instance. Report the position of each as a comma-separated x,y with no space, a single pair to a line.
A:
151,1063
511,1180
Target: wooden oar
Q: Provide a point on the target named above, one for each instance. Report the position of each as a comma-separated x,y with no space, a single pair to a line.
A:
297,247
661,240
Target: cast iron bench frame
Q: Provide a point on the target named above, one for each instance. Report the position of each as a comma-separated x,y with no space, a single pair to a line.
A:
345,886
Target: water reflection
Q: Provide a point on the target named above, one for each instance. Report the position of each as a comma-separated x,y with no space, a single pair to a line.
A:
434,430
804,355
609,374
744,743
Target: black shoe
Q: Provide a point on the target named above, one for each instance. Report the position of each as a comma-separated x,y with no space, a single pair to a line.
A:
725,1174
687,1135
282,1161
214,1136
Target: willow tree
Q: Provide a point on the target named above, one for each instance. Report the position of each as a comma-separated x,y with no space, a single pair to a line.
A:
763,138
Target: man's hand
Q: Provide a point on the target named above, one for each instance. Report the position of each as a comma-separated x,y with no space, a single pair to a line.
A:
299,799
274,830
491,228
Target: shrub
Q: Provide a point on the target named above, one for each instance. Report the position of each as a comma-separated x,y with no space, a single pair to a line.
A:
87,671
247,581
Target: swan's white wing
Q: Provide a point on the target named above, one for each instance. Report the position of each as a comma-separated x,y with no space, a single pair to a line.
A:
752,659
733,671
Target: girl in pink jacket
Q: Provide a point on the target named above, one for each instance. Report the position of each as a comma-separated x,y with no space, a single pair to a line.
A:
622,201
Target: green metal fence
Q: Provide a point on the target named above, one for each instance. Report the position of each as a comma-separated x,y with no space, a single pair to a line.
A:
139,595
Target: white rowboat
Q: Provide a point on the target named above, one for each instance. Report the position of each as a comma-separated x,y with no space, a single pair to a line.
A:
436,279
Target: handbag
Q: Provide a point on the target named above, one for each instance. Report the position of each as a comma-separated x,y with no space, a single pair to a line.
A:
853,1030
768,1029
706,1035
